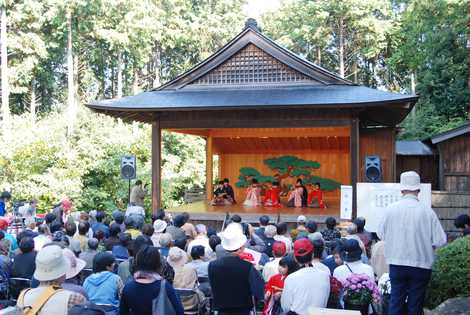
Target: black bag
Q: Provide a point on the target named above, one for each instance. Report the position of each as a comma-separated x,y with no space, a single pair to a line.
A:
87,309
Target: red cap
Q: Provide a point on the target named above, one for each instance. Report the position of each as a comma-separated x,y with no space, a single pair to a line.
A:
302,247
279,248
3,224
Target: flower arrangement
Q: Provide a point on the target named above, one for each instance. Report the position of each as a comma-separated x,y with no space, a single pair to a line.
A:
359,289
335,291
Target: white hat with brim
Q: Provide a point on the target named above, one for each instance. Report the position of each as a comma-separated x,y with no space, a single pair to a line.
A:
410,181
159,226
301,219
50,264
74,264
233,237
177,257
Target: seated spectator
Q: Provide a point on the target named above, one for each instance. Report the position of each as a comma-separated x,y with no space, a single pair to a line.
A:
113,239
5,261
82,235
352,253
159,227
377,260
263,223
335,259
99,225
175,230
331,233
352,234
131,227
100,236
8,236
300,231
275,285
306,287
364,235
85,217
462,222
188,227
51,269
215,244
74,244
272,267
185,278
43,238
147,230
317,263
118,217
72,276
283,236
103,286
201,239
89,254
138,294
198,263
230,274
166,243
31,228
121,250
24,262
269,233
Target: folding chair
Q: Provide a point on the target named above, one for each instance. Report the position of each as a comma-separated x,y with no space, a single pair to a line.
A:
188,293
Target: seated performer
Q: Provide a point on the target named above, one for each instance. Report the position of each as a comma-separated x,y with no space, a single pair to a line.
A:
271,199
253,197
315,197
296,196
229,190
221,198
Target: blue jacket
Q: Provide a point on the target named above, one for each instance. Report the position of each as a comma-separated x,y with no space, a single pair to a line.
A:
102,288
2,208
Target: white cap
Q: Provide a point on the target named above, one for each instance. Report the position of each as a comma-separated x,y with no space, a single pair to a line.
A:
301,219
159,226
233,237
410,181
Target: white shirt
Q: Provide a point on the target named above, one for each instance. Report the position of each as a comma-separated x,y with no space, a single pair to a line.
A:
410,231
305,288
135,210
201,240
40,241
319,266
358,267
271,268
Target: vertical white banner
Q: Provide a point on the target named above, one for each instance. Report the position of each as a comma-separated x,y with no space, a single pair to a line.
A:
346,202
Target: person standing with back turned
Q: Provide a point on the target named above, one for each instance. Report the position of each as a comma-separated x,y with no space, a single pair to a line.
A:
411,231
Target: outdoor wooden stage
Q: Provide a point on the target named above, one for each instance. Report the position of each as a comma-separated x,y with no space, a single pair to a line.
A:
202,211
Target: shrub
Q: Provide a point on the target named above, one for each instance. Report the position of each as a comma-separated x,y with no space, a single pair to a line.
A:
451,273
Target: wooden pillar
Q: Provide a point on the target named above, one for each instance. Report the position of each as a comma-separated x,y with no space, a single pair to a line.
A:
355,166
209,170
156,166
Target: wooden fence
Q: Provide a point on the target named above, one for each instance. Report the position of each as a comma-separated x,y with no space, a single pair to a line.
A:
448,205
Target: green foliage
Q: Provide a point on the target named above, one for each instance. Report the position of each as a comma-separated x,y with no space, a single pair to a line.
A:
450,276
287,166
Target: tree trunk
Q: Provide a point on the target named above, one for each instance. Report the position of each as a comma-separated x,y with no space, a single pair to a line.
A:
32,105
341,47
135,82
72,106
119,75
4,74
156,68
319,56
355,70
413,91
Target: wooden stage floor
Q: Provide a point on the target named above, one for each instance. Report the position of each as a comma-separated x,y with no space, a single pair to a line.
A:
201,210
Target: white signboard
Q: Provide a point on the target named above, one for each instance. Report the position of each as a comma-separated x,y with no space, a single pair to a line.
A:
373,198
346,202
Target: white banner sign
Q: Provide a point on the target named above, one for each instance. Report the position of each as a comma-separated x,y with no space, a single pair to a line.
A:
346,202
373,198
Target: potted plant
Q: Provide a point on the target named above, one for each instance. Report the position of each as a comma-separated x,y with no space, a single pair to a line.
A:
359,292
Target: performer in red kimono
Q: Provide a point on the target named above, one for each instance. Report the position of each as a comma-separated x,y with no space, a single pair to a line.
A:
271,199
315,197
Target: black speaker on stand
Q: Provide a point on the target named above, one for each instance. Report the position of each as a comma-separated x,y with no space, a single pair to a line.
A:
128,171
373,168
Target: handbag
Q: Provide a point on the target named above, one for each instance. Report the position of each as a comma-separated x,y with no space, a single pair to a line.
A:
162,304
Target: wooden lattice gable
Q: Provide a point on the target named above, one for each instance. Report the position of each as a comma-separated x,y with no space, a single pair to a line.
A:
252,59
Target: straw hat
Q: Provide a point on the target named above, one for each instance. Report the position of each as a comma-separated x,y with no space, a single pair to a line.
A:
74,264
177,257
233,237
410,181
50,264
159,226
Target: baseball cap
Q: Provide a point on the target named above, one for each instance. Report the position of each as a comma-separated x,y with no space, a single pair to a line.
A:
302,247
301,219
279,248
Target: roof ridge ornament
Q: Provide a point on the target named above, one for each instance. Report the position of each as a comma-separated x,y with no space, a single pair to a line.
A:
253,24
